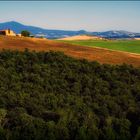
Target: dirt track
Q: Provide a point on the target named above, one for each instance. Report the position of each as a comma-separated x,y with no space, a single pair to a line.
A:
98,54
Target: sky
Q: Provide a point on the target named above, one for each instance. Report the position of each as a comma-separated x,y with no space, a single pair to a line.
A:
74,15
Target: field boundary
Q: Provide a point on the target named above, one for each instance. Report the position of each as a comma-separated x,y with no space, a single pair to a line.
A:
102,48
102,55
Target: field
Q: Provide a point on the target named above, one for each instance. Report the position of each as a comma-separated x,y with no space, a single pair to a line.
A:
79,37
132,46
78,51
50,95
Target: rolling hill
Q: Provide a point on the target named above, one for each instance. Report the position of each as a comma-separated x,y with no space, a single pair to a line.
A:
98,54
52,34
81,37
132,46
48,33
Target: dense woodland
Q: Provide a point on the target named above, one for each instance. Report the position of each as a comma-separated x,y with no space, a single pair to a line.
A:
50,96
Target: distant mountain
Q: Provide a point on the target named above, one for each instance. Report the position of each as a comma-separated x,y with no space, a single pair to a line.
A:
37,31
117,34
18,27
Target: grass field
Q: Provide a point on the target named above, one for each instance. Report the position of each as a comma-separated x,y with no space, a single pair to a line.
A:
104,56
132,46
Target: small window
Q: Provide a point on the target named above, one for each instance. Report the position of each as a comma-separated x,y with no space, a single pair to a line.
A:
8,31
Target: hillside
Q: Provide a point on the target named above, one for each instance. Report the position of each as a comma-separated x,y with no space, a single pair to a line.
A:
97,54
49,33
132,46
137,38
50,95
52,33
81,37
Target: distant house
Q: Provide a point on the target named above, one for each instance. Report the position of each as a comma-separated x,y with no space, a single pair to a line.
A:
19,35
7,32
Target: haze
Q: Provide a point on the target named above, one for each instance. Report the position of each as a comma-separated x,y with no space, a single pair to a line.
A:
90,16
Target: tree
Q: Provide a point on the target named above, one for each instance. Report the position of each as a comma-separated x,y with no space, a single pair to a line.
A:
50,96
137,137
25,33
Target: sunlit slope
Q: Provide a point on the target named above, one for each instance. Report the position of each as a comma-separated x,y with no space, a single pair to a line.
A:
98,54
81,37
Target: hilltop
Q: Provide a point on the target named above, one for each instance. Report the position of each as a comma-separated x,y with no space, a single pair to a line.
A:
97,54
48,33
51,33
81,37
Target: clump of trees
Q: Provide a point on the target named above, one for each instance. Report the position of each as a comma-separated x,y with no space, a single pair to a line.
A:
25,33
50,96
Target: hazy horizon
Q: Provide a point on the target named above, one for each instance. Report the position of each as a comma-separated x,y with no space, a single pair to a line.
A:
79,15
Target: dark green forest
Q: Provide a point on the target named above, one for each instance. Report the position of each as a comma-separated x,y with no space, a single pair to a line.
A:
51,96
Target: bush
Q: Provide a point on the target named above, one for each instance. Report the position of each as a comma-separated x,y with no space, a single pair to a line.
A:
25,33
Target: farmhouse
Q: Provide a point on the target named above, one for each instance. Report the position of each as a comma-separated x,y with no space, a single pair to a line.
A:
7,32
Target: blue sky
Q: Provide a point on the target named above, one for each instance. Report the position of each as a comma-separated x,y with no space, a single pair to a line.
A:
70,15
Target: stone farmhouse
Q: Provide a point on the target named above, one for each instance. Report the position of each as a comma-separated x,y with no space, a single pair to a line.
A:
8,32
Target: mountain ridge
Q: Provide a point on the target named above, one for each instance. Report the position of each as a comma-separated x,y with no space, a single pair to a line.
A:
54,33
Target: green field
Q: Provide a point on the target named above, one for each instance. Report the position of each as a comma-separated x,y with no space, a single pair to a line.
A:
132,46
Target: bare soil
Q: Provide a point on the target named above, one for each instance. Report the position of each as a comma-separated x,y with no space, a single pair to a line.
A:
97,54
